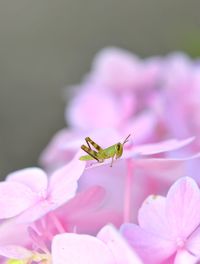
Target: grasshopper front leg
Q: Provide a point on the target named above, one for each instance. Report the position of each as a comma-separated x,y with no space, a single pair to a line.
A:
112,160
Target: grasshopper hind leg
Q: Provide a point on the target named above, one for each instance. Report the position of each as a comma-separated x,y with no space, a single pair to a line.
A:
90,152
95,145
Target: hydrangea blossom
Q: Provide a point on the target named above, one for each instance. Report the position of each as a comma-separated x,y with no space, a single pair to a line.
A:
169,228
29,195
61,215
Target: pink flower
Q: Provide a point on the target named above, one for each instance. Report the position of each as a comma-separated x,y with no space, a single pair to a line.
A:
180,79
81,214
116,69
121,70
168,227
94,108
29,194
116,93
107,248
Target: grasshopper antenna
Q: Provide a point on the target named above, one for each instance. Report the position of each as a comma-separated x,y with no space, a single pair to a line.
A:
126,139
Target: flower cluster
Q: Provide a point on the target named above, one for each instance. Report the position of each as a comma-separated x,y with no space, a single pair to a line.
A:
142,209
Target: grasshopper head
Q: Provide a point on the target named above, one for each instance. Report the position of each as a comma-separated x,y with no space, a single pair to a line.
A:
119,150
119,147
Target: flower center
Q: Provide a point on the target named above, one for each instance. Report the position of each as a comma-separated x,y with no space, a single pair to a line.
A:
180,242
43,194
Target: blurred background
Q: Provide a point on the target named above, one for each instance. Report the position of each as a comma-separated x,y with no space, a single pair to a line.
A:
48,45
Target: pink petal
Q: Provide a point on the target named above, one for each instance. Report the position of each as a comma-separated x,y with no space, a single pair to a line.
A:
142,127
117,69
163,146
15,252
34,178
64,182
35,212
85,201
152,249
62,187
109,178
84,212
193,242
152,216
15,198
182,207
118,246
184,257
60,150
171,169
12,233
92,222
80,249
79,113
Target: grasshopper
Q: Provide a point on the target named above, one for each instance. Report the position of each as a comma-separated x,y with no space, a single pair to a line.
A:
114,152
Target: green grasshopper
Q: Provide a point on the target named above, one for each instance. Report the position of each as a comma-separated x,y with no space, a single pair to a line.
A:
114,152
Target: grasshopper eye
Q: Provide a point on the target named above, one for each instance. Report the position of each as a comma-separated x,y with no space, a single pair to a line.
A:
118,146
119,150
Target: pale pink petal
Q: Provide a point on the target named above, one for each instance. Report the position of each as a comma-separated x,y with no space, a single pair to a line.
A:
193,242
151,248
182,207
34,178
15,252
118,246
15,198
152,216
151,72
61,149
141,127
12,233
84,212
62,187
109,178
35,212
171,169
163,146
64,181
80,249
117,69
77,204
184,257
92,222
128,102
86,111
85,201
